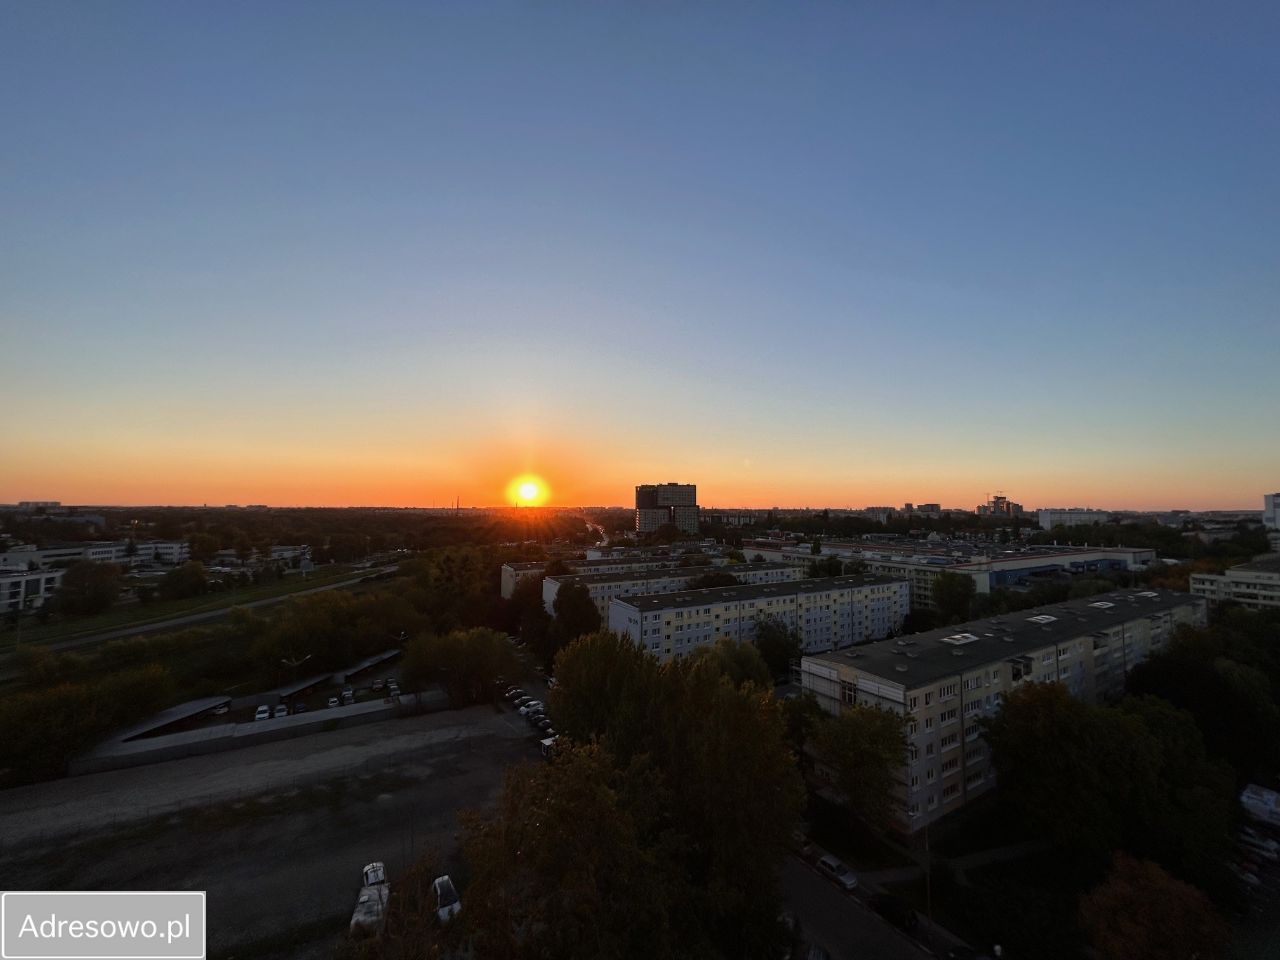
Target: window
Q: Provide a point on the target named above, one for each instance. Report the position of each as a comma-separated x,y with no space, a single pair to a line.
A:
948,715
946,691
928,723
930,775
928,698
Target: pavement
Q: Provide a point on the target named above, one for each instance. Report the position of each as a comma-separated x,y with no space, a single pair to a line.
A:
59,809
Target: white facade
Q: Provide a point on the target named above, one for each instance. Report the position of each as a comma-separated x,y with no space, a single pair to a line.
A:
1074,517
515,573
943,683
1254,585
27,589
605,588
829,613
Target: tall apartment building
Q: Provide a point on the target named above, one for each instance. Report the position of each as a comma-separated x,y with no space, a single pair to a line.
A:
829,613
1271,518
606,587
1255,585
663,503
942,682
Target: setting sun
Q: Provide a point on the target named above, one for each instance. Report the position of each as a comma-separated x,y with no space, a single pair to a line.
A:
527,491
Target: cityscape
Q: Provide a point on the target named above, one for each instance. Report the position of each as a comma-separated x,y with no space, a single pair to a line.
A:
795,482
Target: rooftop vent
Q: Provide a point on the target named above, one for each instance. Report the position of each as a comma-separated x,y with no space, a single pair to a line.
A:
959,639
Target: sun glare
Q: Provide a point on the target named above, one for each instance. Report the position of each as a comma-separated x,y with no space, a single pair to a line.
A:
527,491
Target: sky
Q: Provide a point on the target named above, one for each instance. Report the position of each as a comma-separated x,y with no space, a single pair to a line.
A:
819,254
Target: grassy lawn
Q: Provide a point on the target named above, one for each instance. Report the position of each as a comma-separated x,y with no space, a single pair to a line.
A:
142,614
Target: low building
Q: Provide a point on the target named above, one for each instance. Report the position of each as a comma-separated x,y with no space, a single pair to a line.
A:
515,573
943,682
1073,517
606,587
1255,585
828,613
27,589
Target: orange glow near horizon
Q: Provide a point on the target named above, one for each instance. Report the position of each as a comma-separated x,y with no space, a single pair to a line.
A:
528,490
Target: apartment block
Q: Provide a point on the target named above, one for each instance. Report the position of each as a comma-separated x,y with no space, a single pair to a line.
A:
658,504
943,682
606,587
514,573
829,613
1074,517
1254,585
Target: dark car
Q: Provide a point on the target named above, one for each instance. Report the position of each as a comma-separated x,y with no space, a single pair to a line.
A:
299,708
522,701
898,912
545,725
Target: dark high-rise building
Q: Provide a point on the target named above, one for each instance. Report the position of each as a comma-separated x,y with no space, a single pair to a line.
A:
663,503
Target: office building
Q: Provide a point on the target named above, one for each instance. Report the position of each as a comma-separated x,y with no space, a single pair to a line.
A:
828,613
943,682
1255,585
27,589
605,587
667,503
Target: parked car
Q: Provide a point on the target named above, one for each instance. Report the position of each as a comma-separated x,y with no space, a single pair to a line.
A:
447,902
333,702
379,686
521,701
221,709
299,708
512,692
897,912
262,713
837,871
544,725
280,711
802,843
348,697
533,706
393,689
370,915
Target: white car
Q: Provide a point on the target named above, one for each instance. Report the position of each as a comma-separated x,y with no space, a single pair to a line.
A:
262,713
838,872
534,706
447,902
281,711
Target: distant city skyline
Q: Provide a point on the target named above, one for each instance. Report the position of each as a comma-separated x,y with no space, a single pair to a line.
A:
328,253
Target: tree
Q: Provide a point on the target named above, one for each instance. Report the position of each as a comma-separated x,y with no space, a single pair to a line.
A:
716,578
88,588
1057,760
1141,913
575,612
204,547
953,596
740,662
864,747
465,662
778,644
187,580
826,567
815,548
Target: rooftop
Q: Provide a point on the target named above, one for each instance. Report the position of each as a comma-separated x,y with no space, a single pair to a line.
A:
1269,564
586,579
754,591
922,658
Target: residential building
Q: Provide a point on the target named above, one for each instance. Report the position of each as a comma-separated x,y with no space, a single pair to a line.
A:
828,613
1255,585
1073,517
605,587
514,573
667,503
1271,511
27,589
944,682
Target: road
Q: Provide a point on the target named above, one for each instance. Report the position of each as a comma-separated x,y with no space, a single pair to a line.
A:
291,857
156,626
838,922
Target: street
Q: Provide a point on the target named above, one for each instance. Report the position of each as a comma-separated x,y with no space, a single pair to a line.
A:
838,922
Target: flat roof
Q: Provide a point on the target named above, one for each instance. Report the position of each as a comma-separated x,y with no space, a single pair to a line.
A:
922,658
1260,565
602,562
753,591
692,571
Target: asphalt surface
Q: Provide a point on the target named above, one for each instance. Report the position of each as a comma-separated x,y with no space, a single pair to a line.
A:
838,921
290,857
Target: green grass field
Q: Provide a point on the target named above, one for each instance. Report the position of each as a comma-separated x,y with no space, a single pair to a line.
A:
143,615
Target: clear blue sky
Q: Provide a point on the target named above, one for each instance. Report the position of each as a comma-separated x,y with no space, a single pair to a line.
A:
822,253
